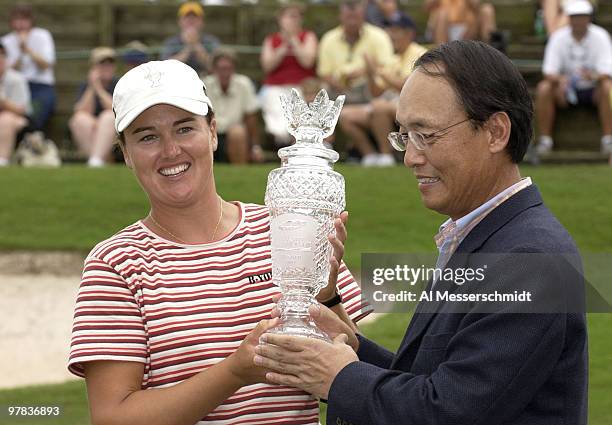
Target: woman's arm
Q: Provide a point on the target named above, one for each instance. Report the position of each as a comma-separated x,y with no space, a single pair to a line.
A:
270,57
306,53
116,397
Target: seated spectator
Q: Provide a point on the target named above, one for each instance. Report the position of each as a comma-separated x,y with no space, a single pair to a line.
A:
379,11
342,53
92,124
577,69
31,51
385,83
135,53
287,57
459,20
14,106
191,46
236,110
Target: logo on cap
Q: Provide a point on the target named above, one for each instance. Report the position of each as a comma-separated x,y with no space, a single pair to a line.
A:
154,76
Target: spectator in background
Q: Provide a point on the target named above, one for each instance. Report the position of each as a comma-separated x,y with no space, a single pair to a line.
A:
384,83
191,46
342,65
287,57
31,51
236,110
135,53
380,11
577,69
342,52
92,124
459,20
14,107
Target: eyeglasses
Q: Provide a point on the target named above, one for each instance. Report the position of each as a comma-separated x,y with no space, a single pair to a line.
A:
419,140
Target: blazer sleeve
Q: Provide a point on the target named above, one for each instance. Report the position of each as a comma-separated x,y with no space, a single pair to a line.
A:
491,367
372,353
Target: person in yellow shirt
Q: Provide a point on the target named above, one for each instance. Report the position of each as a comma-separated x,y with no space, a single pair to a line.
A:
341,62
385,82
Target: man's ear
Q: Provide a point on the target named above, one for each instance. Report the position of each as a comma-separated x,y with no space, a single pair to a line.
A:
499,127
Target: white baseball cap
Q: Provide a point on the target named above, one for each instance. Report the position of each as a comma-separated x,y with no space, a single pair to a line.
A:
578,7
158,82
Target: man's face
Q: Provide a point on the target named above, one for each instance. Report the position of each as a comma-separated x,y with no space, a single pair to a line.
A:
191,21
579,23
454,174
224,69
400,38
351,18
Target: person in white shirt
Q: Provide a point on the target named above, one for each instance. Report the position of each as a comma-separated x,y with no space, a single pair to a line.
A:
31,51
14,105
577,69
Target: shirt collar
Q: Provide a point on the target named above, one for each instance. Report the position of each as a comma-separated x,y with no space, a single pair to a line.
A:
462,226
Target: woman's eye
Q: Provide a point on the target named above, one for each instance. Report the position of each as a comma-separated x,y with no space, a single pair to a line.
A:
147,138
183,130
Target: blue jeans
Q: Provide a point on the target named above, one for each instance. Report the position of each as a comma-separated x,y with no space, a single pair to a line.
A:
43,104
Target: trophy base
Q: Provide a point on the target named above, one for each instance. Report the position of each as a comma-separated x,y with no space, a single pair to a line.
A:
297,326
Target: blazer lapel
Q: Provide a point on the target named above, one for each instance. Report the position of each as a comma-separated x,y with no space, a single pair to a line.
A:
526,198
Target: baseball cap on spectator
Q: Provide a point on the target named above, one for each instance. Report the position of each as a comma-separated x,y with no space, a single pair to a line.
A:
158,82
135,53
100,54
578,7
191,7
400,20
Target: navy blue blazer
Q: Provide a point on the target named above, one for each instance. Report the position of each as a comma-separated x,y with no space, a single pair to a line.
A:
475,368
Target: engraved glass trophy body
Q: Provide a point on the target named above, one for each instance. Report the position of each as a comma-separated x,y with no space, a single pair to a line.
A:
305,196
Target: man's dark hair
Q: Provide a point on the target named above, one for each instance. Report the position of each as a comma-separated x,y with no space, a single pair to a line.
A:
485,82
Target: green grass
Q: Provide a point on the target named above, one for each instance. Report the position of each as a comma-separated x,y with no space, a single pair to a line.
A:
72,208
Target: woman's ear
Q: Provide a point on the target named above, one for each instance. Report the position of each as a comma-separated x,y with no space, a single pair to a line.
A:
126,155
213,140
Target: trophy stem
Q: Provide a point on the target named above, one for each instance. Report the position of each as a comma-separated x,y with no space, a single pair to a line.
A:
295,318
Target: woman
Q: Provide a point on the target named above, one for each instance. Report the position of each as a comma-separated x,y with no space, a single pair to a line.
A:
171,307
287,57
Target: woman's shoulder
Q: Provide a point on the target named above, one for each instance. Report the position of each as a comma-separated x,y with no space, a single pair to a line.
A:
130,238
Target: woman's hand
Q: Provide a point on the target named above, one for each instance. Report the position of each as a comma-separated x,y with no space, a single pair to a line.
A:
337,241
241,361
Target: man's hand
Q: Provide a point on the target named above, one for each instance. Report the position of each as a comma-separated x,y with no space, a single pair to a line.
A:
23,40
306,363
93,78
190,36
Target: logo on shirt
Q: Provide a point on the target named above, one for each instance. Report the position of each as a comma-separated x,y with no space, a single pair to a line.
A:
256,278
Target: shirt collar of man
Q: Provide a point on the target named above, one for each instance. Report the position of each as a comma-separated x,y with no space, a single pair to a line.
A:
460,228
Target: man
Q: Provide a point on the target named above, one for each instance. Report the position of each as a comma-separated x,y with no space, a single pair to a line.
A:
14,106
91,124
236,109
384,83
31,51
191,46
577,69
465,123
341,62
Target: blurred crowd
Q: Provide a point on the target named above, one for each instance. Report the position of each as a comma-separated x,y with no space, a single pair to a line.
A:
367,57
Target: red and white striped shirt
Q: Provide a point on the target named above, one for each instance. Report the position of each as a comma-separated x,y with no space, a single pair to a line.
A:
182,308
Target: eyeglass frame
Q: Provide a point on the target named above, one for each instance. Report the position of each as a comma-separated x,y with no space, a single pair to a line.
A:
396,138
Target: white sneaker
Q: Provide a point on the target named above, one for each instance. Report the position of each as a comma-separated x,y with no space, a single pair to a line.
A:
385,160
95,162
545,145
370,160
4,162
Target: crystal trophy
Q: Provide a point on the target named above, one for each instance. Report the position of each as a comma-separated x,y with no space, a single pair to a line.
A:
304,196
